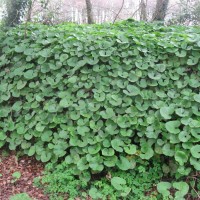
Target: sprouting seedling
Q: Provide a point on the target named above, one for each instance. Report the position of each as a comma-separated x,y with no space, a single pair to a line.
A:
16,176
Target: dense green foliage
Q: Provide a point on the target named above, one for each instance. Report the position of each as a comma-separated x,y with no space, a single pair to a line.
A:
133,185
147,181
101,96
21,196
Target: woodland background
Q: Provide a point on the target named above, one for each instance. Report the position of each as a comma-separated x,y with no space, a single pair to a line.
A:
185,12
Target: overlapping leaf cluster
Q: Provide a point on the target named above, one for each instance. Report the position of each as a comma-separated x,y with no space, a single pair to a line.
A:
132,185
101,95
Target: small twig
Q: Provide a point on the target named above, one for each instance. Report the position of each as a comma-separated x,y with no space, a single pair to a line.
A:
136,11
196,192
119,12
107,9
194,178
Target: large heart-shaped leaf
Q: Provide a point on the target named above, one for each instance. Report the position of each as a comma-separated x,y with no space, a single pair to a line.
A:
166,112
181,157
197,98
118,183
182,188
195,151
123,163
132,90
163,188
173,126
117,144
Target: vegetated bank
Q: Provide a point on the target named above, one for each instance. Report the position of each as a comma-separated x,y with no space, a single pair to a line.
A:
102,97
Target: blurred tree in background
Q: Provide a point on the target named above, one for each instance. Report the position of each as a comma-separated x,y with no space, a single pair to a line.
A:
15,11
188,13
160,10
89,12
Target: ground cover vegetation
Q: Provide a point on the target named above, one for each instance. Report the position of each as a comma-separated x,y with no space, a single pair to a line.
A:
117,101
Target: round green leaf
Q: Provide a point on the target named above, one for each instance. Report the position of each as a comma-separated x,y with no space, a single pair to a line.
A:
118,183
108,152
181,157
117,144
173,126
195,151
163,188
123,163
166,112
130,149
182,187
131,90
197,98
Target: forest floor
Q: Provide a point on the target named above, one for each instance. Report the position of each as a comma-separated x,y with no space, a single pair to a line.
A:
28,168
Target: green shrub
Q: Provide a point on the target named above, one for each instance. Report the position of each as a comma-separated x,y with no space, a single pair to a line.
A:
135,184
101,96
21,196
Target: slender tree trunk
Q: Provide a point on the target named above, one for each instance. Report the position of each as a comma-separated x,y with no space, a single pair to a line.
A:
143,11
98,15
89,12
161,10
30,7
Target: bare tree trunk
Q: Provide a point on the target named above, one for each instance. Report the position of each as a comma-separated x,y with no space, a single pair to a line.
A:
161,10
89,12
30,8
143,11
